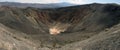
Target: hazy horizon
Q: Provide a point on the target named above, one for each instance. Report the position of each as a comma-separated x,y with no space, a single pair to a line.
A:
62,1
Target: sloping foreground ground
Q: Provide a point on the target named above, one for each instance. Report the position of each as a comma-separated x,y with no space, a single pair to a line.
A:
84,27
15,40
105,40
10,41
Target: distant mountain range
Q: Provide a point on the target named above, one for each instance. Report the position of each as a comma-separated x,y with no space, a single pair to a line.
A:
35,5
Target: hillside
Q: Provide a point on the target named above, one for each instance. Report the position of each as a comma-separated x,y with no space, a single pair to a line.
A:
82,27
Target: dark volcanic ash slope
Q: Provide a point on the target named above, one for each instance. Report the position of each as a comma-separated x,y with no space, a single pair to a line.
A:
72,24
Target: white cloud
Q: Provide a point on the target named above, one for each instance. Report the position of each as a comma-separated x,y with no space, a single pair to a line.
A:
76,1
37,1
47,1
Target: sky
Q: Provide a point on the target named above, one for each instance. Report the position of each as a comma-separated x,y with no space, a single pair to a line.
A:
59,1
